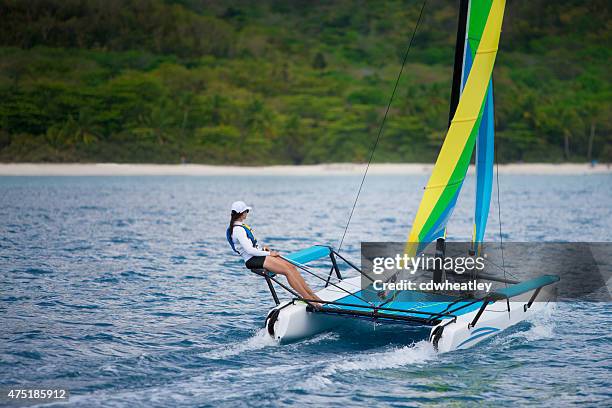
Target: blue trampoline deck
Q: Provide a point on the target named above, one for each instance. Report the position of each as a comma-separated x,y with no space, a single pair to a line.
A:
408,306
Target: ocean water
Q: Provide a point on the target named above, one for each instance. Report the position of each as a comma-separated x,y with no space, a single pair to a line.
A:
124,291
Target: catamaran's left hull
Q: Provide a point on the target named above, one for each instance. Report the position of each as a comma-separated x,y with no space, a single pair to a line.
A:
295,323
290,321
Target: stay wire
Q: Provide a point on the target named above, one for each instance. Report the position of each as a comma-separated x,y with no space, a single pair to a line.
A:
382,124
501,238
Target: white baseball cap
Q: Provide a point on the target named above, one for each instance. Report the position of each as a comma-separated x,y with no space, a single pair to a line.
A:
240,206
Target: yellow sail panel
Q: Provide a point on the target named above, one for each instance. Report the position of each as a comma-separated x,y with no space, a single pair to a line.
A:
452,163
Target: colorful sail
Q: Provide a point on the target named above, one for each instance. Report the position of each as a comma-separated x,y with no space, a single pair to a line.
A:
447,177
477,16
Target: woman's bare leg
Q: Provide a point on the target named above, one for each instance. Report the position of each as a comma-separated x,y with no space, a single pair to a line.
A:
296,281
290,266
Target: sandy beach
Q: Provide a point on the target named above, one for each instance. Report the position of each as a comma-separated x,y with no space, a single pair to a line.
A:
114,169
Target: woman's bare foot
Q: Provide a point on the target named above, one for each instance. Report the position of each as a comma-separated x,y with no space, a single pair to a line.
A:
316,304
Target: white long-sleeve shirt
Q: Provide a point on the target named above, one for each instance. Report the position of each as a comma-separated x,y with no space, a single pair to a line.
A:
243,244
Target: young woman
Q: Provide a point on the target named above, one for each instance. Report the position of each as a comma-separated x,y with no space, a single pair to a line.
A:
241,239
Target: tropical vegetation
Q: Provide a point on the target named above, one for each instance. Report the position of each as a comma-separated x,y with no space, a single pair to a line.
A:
302,81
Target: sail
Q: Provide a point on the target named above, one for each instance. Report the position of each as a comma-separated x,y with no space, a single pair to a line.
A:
452,163
477,12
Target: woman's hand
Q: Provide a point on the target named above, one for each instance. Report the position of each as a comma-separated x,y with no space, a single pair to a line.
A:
274,254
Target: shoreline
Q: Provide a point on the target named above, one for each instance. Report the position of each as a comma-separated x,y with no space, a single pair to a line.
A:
115,169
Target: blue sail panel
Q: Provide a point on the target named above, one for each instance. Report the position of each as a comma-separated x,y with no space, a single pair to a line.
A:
467,63
484,170
486,134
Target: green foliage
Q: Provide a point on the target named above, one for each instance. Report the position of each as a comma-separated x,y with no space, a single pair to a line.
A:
273,81
319,61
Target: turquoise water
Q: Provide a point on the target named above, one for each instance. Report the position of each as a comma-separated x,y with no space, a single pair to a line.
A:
124,291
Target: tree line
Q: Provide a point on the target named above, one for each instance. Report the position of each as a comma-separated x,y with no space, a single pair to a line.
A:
273,82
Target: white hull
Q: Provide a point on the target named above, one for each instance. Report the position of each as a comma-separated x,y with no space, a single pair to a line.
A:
459,335
294,322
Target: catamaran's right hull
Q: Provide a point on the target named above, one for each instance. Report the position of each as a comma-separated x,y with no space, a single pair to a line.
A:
496,318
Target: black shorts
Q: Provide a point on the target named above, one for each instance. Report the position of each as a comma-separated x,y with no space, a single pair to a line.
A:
255,262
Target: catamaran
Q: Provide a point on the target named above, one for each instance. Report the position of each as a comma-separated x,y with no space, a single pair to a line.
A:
455,321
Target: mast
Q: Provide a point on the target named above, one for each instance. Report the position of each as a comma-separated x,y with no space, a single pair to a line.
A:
454,99
459,58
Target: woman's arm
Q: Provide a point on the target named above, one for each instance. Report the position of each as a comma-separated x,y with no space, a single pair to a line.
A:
246,243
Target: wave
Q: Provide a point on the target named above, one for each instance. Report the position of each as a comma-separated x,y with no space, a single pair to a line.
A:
541,326
260,340
416,353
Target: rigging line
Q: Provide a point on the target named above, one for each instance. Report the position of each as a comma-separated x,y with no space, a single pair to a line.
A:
382,124
501,239
307,270
500,268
